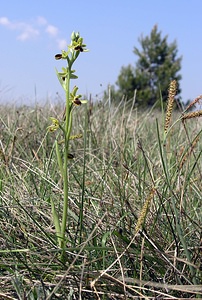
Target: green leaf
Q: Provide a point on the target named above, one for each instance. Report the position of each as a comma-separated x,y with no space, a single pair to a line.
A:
60,79
105,237
59,159
72,76
56,223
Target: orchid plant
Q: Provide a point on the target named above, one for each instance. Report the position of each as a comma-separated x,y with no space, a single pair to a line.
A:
65,126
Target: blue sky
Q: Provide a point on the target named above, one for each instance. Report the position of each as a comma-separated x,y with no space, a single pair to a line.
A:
32,32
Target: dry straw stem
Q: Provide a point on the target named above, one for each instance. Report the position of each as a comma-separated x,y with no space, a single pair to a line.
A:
191,115
171,97
143,213
191,149
176,287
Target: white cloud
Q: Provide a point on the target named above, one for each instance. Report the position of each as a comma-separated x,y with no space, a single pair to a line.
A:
28,33
26,30
34,28
41,21
52,30
62,44
4,21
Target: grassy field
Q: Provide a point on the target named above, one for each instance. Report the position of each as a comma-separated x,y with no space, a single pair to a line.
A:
134,216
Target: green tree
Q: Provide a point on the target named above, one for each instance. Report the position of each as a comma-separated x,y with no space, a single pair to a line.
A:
156,66
126,82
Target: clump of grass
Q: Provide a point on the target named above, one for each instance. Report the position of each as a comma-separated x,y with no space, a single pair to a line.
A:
117,165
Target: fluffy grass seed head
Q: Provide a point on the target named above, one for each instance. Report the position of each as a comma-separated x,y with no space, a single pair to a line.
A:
194,102
191,115
144,210
171,97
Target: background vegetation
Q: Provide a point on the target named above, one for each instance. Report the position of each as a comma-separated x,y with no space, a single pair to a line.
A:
157,64
137,183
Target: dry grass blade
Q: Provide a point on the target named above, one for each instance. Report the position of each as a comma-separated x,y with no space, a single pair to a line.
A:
196,289
6,297
190,150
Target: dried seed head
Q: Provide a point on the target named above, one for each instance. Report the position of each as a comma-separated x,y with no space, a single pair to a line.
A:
191,115
171,97
143,212
195,101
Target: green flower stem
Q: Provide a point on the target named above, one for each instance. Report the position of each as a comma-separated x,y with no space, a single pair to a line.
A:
66,151
72,98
